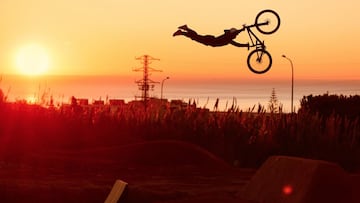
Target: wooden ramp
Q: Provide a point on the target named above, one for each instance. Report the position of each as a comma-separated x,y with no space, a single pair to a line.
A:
116,192
284,179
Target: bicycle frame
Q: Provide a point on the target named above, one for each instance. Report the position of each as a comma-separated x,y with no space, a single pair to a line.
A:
255,41
259,60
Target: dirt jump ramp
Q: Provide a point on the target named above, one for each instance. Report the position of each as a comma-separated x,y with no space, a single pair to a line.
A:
283,179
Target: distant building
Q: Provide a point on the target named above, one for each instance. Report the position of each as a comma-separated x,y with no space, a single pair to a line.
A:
136,103
82,102
178,104
98,102
116,102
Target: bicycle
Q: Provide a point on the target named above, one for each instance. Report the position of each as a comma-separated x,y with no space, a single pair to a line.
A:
259,60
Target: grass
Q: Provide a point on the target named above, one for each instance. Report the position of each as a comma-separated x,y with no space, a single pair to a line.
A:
244,139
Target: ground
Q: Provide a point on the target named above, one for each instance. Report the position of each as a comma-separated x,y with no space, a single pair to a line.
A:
159,171
156,171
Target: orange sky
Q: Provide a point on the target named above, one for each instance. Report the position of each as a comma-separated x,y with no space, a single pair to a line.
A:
102,37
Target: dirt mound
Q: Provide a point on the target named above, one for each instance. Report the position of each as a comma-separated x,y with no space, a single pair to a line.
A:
160,153
299,180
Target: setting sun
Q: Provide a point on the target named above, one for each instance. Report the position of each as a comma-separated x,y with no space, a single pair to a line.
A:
32,59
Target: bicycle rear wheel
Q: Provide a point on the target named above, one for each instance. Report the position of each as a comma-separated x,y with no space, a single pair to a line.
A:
259,61
271,18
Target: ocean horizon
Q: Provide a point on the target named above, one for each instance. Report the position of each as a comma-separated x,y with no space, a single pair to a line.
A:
246,93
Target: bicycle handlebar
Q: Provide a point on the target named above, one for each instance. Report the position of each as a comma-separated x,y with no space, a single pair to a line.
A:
253,25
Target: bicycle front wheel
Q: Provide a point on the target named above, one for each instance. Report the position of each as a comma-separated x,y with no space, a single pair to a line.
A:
267,22
259,61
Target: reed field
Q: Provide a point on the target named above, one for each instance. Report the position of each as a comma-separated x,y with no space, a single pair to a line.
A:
243,139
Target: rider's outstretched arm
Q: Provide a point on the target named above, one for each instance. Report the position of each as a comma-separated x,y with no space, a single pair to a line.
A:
237,44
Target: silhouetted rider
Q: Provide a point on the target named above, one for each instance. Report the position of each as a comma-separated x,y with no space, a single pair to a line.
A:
210,40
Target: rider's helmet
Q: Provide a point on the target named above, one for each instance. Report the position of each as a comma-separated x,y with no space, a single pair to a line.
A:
231,30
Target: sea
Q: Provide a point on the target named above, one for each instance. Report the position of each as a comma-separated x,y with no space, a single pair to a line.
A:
243,93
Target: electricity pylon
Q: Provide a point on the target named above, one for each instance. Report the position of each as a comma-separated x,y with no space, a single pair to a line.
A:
146,84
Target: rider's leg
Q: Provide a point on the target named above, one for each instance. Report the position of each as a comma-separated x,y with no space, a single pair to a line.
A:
183,27
208,40
178,32
185,30
189,33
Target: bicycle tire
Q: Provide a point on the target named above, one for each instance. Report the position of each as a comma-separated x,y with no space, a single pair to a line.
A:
261,14
253,59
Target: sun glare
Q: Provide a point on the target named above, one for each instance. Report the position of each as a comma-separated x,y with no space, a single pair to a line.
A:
32,59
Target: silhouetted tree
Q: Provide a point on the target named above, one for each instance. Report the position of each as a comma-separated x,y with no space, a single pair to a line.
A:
327,105
273,104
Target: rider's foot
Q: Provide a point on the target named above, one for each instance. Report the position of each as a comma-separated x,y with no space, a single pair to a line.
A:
183,27
179,32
